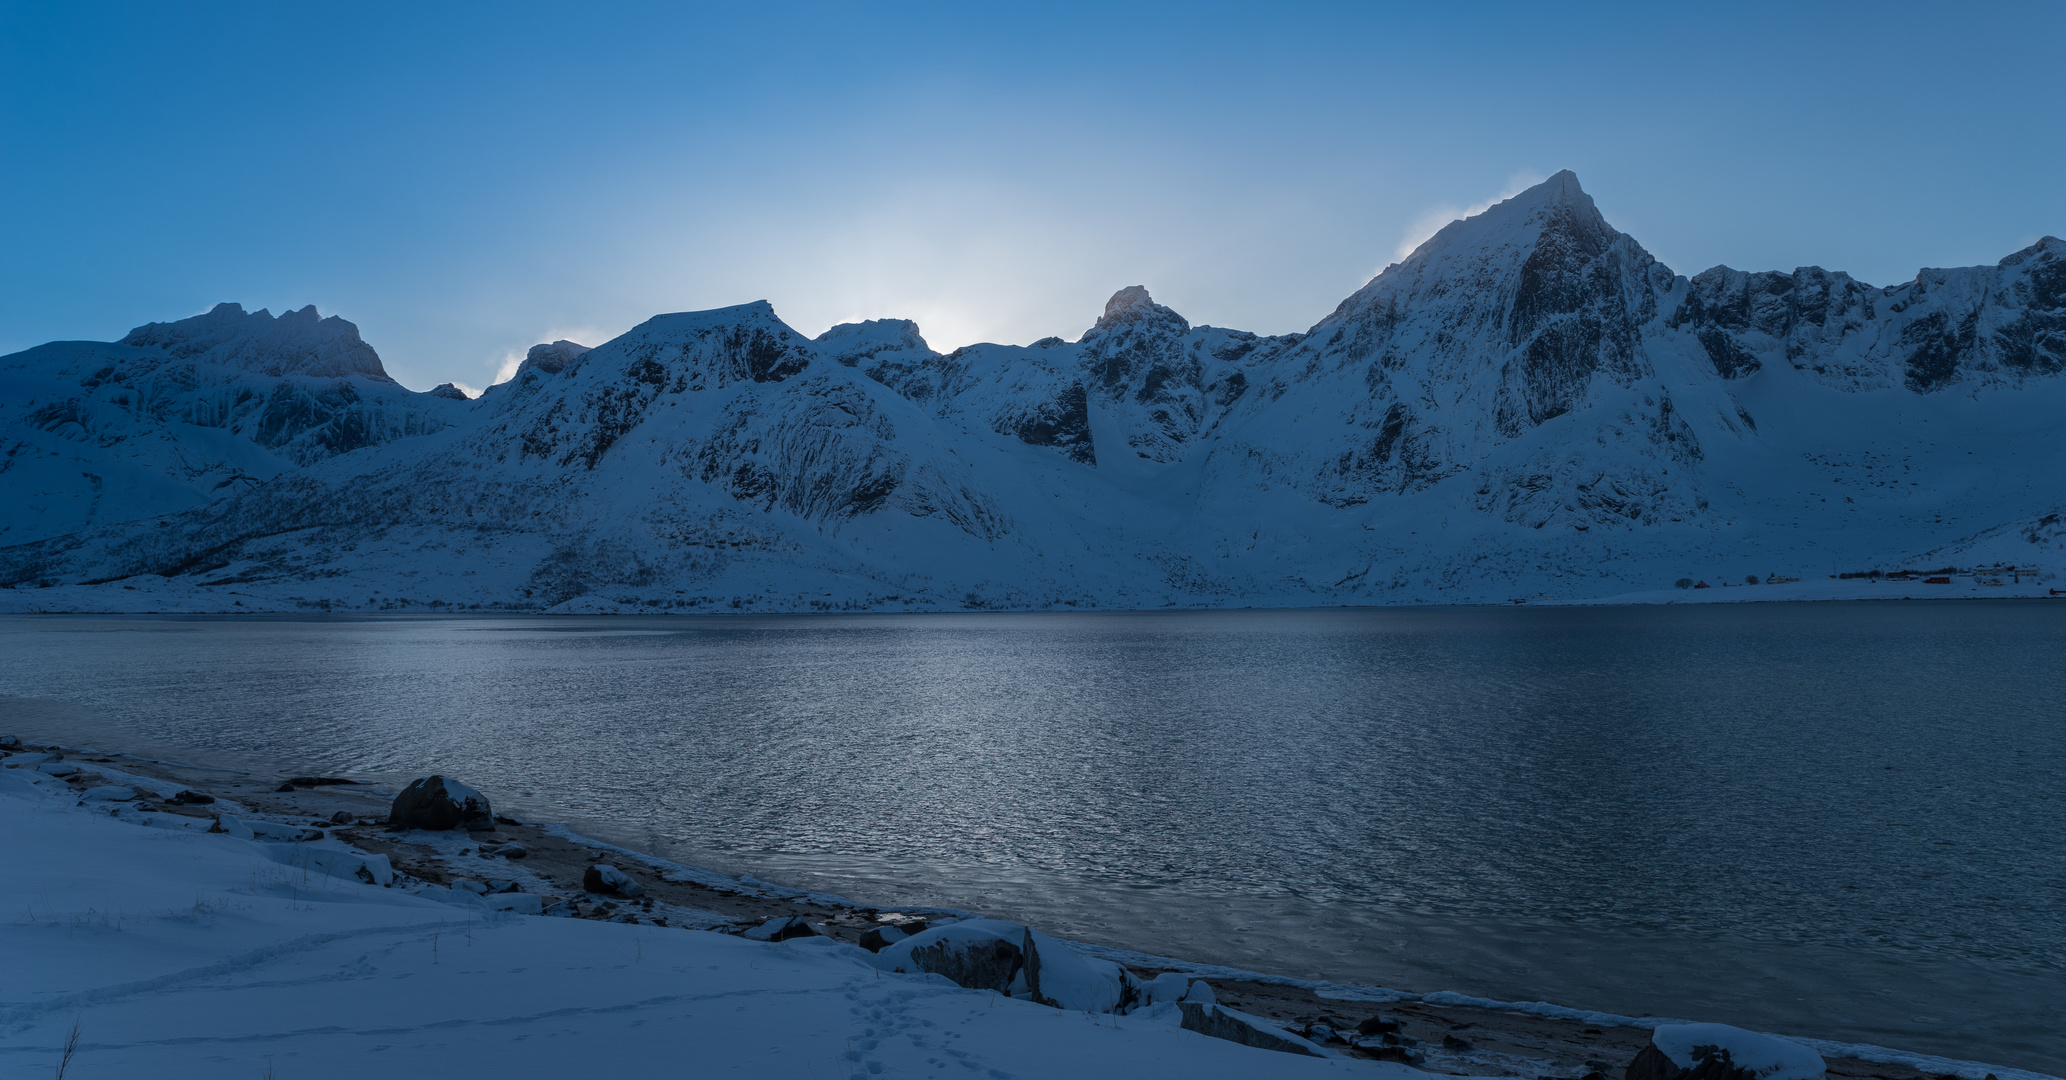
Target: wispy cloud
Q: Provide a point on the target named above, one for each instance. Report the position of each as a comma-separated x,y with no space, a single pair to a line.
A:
506,367
1430,221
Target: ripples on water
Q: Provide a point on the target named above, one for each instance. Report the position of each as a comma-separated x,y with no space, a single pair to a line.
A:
1843,820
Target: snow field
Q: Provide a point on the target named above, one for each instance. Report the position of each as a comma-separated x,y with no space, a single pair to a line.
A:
186,954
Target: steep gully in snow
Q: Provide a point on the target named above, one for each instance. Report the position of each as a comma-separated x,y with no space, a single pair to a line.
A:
1528,406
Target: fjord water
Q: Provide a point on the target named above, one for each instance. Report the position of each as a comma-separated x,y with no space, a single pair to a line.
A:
1843,821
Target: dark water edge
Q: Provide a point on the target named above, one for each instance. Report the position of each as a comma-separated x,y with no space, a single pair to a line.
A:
1838,823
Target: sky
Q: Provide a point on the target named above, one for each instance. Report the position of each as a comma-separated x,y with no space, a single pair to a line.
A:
463,180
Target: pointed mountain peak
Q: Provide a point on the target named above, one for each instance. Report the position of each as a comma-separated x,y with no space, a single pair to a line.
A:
1557,208
1558,195
1131,298
1561,191
2047,247
1563,186
1133,305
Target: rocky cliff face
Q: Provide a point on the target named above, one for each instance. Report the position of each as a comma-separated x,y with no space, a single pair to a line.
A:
1973,326
298,343
1528,402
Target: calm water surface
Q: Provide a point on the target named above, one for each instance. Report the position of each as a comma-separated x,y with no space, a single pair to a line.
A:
1836,820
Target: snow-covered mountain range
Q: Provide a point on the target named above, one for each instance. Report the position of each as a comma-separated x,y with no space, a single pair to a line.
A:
1528,404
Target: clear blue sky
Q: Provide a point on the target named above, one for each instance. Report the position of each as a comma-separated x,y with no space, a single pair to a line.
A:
465,180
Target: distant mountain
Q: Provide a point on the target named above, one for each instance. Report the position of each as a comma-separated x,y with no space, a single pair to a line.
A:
178,414
1529,403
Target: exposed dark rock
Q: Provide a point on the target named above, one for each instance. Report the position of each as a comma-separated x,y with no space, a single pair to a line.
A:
553,358
1713,1063
2035,341
1730,359
437,803
782,928
978,961
607,879
1937,345
1378,1025
1138,354
1391,1052
190,798
1063,423
1651,1064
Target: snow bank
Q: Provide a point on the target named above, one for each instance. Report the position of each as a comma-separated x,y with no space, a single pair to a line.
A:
332,859
187,954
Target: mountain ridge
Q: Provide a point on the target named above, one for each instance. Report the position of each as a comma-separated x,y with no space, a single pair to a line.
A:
1528,403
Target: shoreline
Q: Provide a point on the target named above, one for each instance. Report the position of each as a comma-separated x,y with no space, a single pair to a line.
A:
1661,598
1441,1032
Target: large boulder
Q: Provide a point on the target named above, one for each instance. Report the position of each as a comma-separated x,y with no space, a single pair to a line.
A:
1721,1052
435,802
981,954
608,880
1170,986
1059,976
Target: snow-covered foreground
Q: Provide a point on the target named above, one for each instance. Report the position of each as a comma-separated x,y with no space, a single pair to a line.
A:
179,953
232,939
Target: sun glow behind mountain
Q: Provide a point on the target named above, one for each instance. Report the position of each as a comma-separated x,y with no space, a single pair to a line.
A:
480,179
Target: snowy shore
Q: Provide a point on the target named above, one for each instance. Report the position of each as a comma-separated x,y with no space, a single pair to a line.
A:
281,930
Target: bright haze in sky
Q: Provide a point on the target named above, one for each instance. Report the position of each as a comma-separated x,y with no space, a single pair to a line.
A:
463,181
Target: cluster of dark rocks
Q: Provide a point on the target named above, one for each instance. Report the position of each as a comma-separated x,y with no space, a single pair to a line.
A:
1380,1037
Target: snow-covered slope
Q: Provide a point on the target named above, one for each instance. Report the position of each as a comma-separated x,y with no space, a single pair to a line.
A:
177,414
1528,404
158,949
